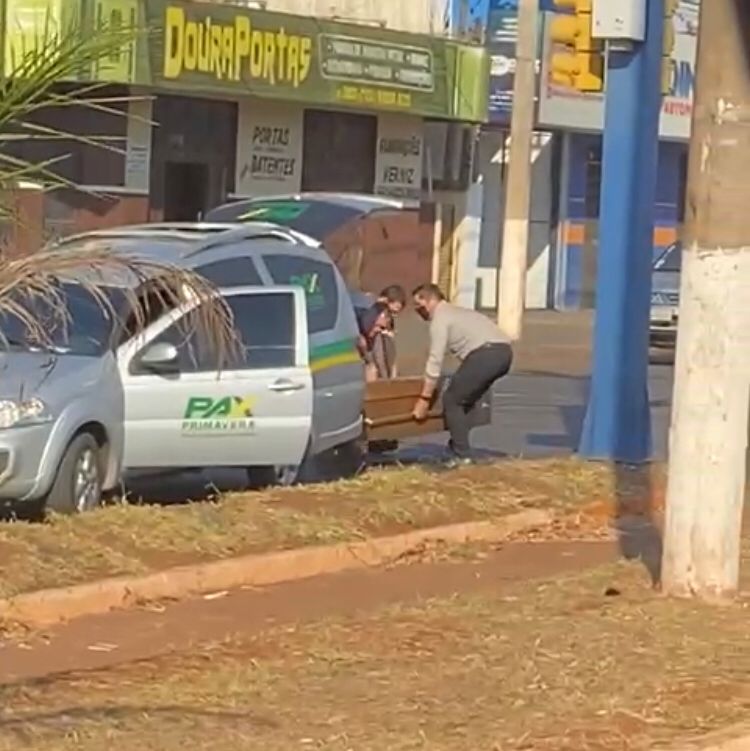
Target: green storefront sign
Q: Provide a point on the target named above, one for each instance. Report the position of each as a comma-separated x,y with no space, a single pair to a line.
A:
227,49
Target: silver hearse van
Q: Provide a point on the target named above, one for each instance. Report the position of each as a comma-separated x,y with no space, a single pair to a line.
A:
66,419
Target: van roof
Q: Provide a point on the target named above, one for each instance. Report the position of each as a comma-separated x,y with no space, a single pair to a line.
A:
173,242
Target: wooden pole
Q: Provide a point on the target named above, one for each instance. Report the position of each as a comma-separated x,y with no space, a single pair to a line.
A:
708,437
511,277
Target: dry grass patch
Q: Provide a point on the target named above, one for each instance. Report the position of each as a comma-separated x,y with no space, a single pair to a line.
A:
550,666
134,539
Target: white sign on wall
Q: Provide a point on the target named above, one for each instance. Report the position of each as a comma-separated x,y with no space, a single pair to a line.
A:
269,148
138,148
399,157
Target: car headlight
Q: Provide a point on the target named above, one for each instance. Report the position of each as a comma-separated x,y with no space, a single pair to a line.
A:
28,412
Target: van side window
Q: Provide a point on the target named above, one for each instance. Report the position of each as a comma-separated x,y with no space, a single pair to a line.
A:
266,325
232,272
319,282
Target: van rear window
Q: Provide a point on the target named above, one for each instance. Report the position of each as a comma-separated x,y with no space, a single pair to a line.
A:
278,212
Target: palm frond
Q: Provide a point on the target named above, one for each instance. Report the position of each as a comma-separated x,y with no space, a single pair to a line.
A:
32,284
30,289
32,85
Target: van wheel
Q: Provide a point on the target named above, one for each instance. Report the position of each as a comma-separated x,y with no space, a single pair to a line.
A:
78,484
346,460
350,459
260,478
280,475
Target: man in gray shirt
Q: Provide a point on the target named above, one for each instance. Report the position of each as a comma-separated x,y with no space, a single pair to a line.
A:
483,350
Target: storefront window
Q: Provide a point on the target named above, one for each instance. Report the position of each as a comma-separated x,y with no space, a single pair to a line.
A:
593,181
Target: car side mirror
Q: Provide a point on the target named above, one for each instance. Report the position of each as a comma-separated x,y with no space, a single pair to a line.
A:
160,357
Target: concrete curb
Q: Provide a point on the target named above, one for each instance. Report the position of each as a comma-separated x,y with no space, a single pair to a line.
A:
50,606
734,738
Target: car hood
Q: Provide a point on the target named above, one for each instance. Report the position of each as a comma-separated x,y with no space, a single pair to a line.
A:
55,379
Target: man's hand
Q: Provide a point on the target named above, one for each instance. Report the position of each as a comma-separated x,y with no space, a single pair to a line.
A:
422,407
421,410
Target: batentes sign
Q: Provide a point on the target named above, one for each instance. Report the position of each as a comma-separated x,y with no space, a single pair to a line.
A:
226,49
272,138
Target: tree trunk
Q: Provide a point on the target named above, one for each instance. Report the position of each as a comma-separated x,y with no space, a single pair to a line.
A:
708,437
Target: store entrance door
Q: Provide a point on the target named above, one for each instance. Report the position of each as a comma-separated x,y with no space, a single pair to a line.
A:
185,191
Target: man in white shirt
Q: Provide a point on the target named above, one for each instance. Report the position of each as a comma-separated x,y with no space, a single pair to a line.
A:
483,350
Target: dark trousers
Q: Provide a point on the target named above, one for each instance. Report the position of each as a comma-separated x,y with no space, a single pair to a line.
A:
469,384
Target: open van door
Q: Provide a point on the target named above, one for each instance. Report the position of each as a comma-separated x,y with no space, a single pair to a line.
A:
181,413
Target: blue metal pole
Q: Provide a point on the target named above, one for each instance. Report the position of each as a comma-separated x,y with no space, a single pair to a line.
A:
617,425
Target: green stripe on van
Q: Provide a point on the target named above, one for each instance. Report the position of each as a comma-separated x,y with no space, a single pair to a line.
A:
334,348
334,355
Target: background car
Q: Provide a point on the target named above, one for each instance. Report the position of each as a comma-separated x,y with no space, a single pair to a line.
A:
665,297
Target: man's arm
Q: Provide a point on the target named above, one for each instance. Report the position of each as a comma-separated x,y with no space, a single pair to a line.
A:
434,367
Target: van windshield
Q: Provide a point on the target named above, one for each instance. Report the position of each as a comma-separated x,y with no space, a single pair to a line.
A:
85,328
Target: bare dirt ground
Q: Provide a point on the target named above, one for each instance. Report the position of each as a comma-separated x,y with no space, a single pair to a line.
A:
137,539
464,650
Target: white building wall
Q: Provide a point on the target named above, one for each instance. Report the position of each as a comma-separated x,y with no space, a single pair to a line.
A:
492,155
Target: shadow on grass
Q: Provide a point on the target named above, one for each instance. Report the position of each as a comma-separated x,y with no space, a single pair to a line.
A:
182,488
428,455
28,727
636,518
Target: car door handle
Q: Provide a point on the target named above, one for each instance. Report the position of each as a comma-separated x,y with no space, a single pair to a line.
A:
283,385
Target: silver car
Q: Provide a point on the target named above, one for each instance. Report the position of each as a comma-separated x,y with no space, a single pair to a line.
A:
78,413
665,296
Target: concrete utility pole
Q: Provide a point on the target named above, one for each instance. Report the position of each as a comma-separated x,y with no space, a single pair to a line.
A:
708,438
618,419
513,253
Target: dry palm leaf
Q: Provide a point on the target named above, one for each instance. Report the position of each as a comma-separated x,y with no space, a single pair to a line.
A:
57,55
32,295
30,291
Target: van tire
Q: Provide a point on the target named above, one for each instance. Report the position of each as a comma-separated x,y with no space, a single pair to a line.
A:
343,461
78,485
261,478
